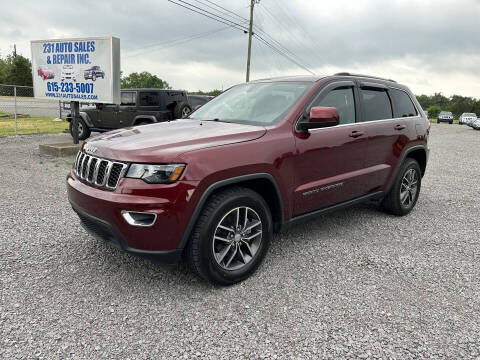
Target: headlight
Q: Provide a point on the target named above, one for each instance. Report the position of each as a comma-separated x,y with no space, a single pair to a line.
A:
156,174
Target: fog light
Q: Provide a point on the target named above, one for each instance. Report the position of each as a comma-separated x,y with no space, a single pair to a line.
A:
136,218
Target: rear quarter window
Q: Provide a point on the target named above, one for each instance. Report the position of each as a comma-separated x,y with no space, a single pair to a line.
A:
402,104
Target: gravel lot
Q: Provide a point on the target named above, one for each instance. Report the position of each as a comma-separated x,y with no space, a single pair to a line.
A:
355,283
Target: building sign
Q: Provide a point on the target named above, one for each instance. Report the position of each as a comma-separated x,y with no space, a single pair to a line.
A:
84,70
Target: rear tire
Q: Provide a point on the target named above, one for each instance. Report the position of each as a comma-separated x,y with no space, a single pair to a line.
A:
450,122
219,249
405,190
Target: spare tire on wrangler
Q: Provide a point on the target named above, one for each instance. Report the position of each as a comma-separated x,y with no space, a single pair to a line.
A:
181,110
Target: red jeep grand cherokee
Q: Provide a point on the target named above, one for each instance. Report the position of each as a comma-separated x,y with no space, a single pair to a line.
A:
214,187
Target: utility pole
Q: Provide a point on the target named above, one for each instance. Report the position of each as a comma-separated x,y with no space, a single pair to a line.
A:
14,50
250,33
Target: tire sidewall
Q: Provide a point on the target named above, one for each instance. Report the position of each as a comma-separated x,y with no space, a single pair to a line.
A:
209,263
409,164
84,134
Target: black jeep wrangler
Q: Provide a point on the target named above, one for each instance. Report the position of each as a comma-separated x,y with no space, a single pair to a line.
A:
137,107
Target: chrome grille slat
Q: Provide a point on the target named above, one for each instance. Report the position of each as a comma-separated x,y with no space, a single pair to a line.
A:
98,172
95,173
83,168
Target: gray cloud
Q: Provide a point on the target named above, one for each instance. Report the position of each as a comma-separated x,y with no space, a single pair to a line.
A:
423,42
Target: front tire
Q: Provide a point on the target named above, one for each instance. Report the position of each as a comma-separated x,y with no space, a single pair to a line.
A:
181,111
231,237
405,190
83,130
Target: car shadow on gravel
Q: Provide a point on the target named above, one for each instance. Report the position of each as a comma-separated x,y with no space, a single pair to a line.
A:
119,266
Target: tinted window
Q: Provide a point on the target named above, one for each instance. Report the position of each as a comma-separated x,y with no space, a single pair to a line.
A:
403,106
127,98
150,98
376,104
342,99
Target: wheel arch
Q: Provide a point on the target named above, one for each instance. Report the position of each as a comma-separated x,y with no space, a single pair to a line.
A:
262,183
144,118
84,117
420,155
416,152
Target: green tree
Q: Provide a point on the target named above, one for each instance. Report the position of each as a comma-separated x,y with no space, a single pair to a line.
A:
433,111
17,71
3,71
143,80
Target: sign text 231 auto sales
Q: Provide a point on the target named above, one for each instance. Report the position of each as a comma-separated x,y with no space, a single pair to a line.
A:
63,52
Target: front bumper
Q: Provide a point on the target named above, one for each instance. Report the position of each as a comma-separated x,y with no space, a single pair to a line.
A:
100,212
104,231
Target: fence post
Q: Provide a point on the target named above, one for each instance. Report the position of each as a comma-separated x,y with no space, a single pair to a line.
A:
60,108
15,107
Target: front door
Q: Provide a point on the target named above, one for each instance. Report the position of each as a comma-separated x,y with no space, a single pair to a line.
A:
106,117
330,161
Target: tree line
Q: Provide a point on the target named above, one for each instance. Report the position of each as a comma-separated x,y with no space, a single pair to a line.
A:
457,104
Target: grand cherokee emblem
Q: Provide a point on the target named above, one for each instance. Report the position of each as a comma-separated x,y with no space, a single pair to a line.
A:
90,149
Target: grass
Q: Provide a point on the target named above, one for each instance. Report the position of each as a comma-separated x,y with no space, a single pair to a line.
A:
31,125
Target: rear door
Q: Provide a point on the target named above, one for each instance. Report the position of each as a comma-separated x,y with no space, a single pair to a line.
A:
384,118
151,103
330,161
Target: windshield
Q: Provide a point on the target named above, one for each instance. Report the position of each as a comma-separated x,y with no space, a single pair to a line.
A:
253,103
445,113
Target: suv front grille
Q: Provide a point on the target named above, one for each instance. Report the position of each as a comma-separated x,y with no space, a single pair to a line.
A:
99,172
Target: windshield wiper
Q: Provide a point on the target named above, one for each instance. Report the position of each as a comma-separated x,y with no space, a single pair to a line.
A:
217,120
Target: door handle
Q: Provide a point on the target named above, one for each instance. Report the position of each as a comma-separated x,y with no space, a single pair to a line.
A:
355,134
399,127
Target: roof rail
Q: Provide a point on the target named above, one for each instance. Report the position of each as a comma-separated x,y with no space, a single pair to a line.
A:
360,75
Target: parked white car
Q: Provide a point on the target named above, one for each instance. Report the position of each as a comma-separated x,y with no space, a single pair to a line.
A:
467,118
68,73
476,124
445,116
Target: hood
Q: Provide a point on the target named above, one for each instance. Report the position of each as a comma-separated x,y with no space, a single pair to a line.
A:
166,141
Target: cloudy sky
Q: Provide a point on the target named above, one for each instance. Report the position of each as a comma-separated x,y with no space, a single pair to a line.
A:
429,45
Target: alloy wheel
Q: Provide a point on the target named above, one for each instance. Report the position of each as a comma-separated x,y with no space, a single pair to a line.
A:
237,238
185,112
409,188
80,128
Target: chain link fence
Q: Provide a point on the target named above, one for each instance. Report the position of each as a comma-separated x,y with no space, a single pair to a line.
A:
21,113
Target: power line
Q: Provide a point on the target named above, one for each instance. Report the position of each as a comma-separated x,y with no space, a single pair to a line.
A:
224,11
229,11
172,43
205,12
283,54
236,25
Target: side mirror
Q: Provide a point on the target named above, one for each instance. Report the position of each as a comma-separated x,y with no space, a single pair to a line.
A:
320,117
